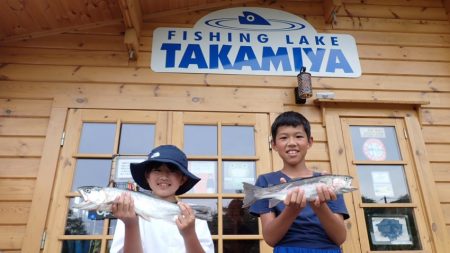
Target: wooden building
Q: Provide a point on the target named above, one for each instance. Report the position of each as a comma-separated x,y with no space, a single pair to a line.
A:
75,78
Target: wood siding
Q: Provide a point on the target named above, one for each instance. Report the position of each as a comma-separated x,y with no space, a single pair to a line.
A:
403,45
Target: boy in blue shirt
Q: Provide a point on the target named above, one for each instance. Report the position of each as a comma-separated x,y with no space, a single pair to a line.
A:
296,225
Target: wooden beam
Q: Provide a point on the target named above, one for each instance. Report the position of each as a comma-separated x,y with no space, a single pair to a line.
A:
132,16
330,9
131,41
447,7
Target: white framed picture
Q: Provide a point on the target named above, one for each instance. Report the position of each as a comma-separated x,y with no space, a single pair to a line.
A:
390,230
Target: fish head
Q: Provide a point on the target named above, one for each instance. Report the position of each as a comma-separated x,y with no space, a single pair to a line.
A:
93,197
343,184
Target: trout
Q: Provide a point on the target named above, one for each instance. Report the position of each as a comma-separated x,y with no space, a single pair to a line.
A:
277,193
147,206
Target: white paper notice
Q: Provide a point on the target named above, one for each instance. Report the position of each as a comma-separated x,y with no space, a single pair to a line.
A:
123,168
382,185
372,132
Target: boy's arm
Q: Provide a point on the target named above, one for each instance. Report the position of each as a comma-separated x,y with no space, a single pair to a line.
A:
332,223
186,225
132,238
123,209
274,228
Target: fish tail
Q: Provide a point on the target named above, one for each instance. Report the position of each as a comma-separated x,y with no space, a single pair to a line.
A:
203,212
250,192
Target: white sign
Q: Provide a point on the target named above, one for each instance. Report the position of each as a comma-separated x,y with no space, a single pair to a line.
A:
382,185
372,132
123,168
254,41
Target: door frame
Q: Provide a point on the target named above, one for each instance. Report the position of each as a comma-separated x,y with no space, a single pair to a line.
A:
166,132
410,114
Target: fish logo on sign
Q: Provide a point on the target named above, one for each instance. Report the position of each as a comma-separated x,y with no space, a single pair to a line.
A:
254,41
250,21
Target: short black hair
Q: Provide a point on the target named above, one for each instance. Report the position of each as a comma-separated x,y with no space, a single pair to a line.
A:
155,165
290,118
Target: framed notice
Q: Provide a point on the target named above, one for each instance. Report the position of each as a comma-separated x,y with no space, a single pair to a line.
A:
122,167
390,230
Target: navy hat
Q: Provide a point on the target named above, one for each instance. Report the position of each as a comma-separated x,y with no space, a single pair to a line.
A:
164,154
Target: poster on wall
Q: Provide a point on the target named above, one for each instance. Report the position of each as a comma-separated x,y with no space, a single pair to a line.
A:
254,41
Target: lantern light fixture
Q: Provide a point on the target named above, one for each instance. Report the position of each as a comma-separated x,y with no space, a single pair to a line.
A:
304,89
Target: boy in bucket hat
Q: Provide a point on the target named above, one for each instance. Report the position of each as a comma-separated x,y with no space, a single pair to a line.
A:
166,174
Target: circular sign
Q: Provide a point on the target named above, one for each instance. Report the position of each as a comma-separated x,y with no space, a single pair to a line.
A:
374,149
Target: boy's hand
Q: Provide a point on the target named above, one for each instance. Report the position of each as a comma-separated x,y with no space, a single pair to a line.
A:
123,209
325,193
295,200
186,220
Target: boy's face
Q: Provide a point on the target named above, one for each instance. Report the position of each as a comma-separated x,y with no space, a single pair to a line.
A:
292,143
164,182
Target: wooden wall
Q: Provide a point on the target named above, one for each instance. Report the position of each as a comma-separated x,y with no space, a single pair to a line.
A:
404,48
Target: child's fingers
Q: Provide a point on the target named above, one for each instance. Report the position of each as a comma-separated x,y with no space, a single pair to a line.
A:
333,195
283,180
295,196
187,214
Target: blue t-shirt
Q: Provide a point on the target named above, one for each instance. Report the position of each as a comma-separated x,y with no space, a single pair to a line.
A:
306,231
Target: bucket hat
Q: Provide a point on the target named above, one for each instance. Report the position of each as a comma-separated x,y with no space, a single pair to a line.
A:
169,154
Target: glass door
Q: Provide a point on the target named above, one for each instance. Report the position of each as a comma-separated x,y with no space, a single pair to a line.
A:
97,146
224,150
388,206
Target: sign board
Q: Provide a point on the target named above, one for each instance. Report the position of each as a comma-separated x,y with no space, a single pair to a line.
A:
254,41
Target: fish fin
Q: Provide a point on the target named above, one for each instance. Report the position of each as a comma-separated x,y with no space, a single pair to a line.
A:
250,194
273,202
202,212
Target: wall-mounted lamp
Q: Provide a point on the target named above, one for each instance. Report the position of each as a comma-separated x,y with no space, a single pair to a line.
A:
304,89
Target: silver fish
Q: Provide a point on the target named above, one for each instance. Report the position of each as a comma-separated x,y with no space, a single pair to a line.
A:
277,193
146,205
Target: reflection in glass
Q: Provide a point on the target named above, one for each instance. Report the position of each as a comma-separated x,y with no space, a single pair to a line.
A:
200,140
237,220
79,222
236,172
91,172
375,143
112,226
136,138
216,246
207,172
212,203
383,184
108,245
81,246
238,141
392,229
97,138
240,246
